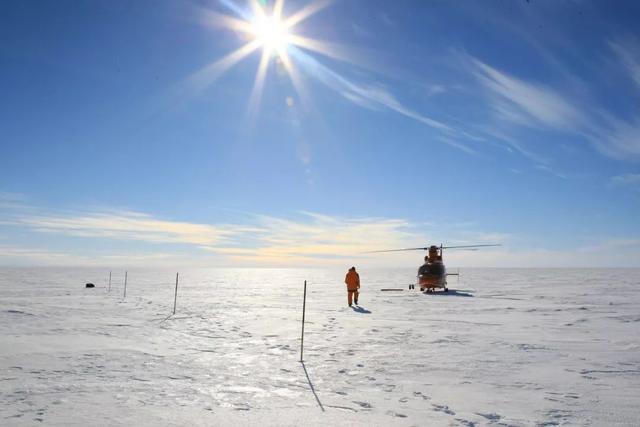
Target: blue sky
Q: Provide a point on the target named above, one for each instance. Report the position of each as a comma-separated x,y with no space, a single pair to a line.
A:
125,139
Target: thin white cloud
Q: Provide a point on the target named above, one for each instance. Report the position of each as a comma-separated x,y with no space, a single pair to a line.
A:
314,236
361,32
12,200
514,144
435,89
6,196
267,240
611,245
628,52
386,20
545,168
631,180
309,239
587,257
376,97
526,103
456,144
126,226
19,256
306,239
616,138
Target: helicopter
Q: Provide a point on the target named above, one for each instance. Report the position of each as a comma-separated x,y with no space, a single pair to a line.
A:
432,274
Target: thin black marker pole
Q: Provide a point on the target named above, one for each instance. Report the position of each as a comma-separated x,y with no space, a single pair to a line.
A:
175,298
109,281
304,306
125,284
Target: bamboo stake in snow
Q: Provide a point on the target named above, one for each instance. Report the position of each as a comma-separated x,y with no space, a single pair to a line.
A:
109,281
175,298
304,306
125,284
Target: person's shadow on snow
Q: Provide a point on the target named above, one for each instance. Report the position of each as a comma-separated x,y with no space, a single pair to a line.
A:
359,309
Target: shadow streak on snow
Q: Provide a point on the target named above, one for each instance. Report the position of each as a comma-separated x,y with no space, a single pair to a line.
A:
166,318
359,309
451,293
313,390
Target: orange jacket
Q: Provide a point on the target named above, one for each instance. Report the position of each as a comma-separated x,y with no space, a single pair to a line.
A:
352,280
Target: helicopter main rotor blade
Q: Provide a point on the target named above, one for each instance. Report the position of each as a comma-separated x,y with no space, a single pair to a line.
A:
397,250
468,246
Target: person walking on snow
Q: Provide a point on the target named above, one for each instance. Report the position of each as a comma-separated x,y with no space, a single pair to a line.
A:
353,284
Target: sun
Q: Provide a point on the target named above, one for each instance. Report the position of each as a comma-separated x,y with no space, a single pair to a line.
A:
271,32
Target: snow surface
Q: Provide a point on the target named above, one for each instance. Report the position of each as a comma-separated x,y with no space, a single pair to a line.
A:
508,347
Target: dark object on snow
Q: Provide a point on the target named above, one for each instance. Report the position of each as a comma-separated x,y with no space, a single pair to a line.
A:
89,285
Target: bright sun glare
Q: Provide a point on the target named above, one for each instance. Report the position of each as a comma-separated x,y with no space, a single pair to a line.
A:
271,32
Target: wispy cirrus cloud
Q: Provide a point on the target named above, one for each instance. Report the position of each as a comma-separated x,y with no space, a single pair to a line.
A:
125,225
610,245
258,239
12,200
616,138
6,196
631,180
316,236
377,97
601,256
526,103
21,255
613,135
516,145
518,102
306,239
628,53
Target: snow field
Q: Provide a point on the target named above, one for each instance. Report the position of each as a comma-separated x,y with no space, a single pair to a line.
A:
507,347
